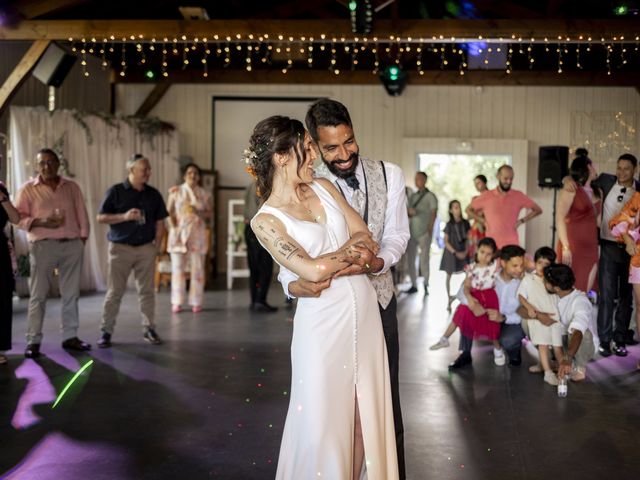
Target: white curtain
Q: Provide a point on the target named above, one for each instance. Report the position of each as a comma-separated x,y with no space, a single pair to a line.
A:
95,148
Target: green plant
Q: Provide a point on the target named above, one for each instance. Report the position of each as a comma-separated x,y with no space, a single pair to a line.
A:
24,266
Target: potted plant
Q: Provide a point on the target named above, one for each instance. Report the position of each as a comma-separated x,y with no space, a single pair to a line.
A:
22,276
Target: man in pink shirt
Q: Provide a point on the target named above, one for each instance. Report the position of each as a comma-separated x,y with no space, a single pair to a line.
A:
501,208
53,213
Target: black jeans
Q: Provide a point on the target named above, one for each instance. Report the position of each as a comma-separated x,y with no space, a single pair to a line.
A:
390,328
260,267
613,280
510,338
6,294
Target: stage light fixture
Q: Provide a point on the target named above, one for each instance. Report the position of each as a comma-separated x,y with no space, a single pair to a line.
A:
394,80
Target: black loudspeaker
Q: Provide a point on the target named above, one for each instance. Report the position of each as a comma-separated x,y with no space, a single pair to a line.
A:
54,66
553,166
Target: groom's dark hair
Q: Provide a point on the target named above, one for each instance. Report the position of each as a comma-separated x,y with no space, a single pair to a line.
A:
326,113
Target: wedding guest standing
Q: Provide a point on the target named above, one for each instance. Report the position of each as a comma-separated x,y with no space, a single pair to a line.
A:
455,256
135,212
189,206
53,213
8,213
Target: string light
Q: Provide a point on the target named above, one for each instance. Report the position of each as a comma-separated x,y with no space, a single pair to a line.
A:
400,50
83,62
163,68
123,60
559,50
419,60
463,63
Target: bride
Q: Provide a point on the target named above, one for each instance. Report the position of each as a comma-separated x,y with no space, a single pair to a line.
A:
339,424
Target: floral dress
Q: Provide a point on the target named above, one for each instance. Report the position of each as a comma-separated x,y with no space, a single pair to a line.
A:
187,242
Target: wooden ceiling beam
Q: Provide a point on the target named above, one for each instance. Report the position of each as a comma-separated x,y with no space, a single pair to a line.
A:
472,77
21,72
153,98
36,8
538,28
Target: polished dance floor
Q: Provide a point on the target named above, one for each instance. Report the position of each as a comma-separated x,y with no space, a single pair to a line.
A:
211,402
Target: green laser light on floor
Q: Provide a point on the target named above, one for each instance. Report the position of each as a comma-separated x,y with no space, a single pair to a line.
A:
73,379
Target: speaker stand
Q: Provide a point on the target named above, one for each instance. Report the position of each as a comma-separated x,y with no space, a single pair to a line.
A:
553,219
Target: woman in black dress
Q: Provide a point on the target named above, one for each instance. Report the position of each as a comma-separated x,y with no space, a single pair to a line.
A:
7,213
456,248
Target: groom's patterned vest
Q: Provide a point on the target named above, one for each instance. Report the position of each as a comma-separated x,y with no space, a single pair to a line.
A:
376,187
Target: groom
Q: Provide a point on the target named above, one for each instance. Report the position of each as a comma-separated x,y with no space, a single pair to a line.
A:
376,190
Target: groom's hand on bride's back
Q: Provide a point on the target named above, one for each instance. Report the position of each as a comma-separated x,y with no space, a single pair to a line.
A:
304,288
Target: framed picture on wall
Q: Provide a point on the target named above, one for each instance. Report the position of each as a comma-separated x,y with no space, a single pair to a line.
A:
208,181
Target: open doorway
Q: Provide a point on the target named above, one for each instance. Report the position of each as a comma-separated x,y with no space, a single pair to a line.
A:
451,177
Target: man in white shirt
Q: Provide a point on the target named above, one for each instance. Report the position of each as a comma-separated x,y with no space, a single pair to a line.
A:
511,332
377,191
616,294
575,313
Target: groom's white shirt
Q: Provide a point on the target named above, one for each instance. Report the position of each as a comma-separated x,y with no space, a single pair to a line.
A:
396,221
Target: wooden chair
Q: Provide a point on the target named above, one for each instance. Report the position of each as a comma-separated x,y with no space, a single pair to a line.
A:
162,276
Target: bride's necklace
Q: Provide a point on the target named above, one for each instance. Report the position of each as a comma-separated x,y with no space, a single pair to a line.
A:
316,218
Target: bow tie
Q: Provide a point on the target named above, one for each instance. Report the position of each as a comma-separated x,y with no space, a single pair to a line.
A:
352,181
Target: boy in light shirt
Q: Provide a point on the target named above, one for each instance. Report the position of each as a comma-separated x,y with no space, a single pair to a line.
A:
575,312
540,304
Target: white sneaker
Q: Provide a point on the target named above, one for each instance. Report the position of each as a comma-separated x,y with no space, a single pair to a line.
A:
498,357
579,374
537,368
550,378
442,343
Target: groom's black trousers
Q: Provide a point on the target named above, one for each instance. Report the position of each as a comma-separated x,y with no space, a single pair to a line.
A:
390,328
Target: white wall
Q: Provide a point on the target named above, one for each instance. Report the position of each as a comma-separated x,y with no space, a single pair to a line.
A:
538,115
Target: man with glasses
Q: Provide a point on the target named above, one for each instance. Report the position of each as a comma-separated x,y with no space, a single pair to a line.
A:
613,266
53,213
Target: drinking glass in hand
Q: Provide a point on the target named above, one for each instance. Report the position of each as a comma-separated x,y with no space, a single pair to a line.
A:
141,219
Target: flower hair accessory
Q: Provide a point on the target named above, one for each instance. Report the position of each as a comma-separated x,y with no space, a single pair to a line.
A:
249,155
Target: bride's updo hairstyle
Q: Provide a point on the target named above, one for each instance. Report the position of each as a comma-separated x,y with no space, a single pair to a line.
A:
273,135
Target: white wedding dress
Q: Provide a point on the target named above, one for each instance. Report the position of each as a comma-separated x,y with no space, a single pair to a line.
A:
337,352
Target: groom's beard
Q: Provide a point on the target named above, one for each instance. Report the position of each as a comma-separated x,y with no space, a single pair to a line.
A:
504,187
342,173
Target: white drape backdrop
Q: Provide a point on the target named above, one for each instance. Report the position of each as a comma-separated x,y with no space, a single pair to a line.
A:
96,149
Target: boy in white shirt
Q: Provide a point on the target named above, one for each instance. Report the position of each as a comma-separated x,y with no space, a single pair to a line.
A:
533,296
575,312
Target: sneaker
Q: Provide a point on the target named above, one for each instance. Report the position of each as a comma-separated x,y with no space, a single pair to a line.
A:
604,349
152,337
442,343
550,378
176,309
105,340
412,290
3,359
579,374
498,357
619,349
537,368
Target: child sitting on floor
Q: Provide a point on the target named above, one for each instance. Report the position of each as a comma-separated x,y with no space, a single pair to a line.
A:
538,302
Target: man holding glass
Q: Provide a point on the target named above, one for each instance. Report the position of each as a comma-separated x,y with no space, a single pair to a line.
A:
52,211
135,212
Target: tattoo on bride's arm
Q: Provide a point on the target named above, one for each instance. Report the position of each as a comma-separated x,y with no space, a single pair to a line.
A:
285,248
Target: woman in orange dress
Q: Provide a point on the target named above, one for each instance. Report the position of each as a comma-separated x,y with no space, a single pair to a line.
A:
576,223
